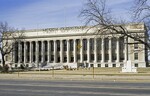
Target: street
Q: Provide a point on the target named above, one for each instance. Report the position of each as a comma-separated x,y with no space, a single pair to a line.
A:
72,88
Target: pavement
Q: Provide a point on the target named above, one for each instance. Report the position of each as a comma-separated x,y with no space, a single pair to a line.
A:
72,88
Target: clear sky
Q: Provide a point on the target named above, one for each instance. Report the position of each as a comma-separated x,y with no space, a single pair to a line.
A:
32,14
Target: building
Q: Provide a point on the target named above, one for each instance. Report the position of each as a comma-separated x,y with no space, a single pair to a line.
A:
75,47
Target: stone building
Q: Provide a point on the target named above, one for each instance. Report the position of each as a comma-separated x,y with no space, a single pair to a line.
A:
77,47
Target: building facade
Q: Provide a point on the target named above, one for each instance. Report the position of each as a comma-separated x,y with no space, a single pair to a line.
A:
77,47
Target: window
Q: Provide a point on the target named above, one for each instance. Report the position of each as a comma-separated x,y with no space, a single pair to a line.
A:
135,56
99,41
52,58
84,44
99,56
58,59
91,65
78,57
65,45
71,45
136,64
121,65
106,65
114,65
72,58
65,59
135,46
85,57
52,45
92,57
58,45
92,44
99,65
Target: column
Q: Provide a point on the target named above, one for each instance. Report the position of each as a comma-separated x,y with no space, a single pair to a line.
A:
44,44
75,51
125,49
68,51
55,52
88,50
31,52
118,57
25,52
48,52
95,49
19,52
61,51
81,50
37,52
110,50
102,51
13,52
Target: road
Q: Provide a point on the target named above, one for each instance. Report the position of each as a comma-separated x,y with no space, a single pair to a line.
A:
72,88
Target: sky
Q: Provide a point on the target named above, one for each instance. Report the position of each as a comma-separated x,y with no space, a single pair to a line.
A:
37,14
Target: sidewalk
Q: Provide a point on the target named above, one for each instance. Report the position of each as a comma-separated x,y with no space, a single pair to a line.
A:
48,75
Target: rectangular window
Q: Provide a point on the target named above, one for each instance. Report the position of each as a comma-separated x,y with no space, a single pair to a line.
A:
84,44
114,65
52,58
136,64
85,57
99,56
121,65
92,57
135,46
99,65
135,56
106,65
71,45
91,65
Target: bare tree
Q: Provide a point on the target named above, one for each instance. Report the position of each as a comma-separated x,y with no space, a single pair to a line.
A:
8,36
97,14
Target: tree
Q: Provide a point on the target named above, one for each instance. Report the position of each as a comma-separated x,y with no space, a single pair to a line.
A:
97,14
8,36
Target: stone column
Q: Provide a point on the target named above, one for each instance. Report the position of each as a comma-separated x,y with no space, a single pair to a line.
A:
61,51
102,51
110,50
125,49
44,51
48,52
13,53
118,57
37,52
55,51
19,52
75,51
68,51
25,52
31,52
81,50
88,50
95,49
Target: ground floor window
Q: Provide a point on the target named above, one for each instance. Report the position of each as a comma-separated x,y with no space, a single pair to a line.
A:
136,64
121,65
92,65
99,65
114,65
106,65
